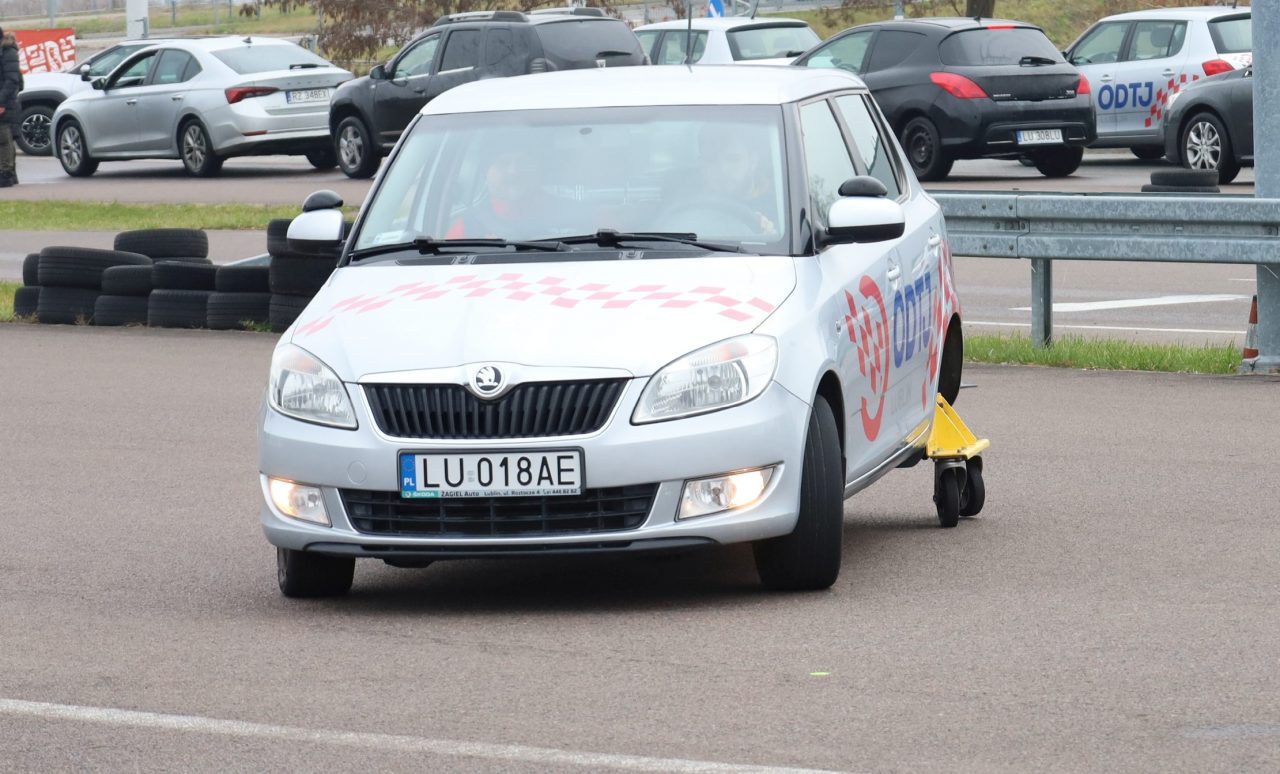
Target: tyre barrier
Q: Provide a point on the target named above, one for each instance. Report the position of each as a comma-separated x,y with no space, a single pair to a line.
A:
284,309
31,269
298,275
232,310
121,310
127,281
243,279
25,301
183,244
82,267
66,306
178,308
176,275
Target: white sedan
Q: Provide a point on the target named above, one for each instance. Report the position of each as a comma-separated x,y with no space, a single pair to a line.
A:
631,309
728,40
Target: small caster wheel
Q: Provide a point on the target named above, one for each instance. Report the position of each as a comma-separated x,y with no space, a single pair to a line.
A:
946,496
975,493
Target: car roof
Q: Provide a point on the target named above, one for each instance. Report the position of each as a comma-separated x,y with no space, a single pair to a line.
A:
724,23
1190,14
949,23
221,42
641,86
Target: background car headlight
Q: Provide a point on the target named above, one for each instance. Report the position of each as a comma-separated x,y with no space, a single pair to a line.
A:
724,374
304,388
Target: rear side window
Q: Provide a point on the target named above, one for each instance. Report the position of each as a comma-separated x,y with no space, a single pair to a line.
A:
586,43
502,54
174,67
893,47
673,49
461,50
1233,35
996,46
1156,39
771,42
264,59
647,38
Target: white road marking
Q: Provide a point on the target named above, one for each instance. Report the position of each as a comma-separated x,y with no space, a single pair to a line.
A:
1243,279
383,742
1108,328
1134,303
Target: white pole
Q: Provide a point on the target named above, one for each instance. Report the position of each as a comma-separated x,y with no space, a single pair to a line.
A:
135,14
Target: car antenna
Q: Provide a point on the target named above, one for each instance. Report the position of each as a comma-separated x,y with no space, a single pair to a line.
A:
688,36
754,6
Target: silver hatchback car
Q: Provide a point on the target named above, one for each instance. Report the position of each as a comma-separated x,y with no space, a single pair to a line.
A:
630,309
202,101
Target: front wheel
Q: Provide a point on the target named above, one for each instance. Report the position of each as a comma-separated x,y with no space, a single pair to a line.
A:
1205,145
357,155
73,151
197,151
1148,152
1058,162
303,574
923,145
809,558
33,131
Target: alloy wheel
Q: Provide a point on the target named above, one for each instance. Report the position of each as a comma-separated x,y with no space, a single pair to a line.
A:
194,150
71,148
350,147
1204,146
35,131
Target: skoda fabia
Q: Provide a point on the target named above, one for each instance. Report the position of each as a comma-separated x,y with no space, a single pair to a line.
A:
612,311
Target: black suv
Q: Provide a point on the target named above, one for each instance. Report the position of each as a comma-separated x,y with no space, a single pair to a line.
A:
367,115
969,88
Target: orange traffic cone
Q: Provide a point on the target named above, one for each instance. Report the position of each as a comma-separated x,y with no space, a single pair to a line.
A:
1251,335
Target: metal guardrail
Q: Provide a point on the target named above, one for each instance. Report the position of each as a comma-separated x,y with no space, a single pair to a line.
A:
1043,228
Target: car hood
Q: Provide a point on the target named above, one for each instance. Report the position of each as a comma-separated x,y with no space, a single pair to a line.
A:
60,82
629,315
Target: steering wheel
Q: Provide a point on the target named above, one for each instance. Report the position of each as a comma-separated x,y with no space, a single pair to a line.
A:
687,207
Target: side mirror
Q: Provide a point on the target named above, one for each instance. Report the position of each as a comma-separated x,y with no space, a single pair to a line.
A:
99,84
863,185
84,72
864,219
319,229
378,73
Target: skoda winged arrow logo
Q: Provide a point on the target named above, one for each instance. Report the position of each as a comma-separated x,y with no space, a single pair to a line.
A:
487,381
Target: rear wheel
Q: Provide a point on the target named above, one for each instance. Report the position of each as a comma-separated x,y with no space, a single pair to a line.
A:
73,151
1058,162
1205,145
302,574
357,155
324,158
33,131
923,145
197,151
1148,152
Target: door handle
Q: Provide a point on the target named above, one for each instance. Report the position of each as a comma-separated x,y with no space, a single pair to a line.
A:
894,273
177,97
934,241
131,101
1105,79
1167,73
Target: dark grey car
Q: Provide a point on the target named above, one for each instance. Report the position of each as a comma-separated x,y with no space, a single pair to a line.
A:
1210,125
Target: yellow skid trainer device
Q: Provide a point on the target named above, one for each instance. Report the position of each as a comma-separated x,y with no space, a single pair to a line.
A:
950,437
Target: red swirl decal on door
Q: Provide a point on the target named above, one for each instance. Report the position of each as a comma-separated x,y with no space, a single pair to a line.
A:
871,337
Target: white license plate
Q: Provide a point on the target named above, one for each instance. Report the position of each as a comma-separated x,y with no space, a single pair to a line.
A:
491,474
306,95
1039,136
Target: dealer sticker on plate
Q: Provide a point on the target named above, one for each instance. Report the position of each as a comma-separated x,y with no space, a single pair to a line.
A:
1039,136
491,474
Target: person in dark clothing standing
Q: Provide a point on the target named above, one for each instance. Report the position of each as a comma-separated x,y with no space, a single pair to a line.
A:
10,85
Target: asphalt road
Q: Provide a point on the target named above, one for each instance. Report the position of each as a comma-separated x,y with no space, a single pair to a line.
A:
1114,608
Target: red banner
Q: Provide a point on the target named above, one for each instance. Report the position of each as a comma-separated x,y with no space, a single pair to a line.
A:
46,51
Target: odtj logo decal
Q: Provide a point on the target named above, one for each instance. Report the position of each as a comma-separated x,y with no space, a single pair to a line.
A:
872,339
911,329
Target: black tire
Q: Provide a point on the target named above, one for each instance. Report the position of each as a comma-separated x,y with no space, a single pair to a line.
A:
120,310
73,151
1180,189
127,281
302,575
1206,146
300,276
277,237
809,558
66,306
1180,178
949,373
33,132
26,300
178,308
243,279
178,275
228,311
31,269
196,150
353,144
1058,162
974,495
323,159
924,150
165,243
283,310
1148,152
81,267
946,496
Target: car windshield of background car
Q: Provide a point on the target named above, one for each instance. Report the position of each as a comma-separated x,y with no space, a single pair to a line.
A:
997,46
715,171
1232,36
263,59
771,42
104,64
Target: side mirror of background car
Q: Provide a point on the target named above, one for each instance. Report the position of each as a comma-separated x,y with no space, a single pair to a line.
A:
319,229
84,72
864,219
378,73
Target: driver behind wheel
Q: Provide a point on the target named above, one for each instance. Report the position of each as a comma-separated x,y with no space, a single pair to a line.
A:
514,204
735,170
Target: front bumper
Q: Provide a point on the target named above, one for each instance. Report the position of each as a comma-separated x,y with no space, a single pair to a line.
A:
984,128
766,431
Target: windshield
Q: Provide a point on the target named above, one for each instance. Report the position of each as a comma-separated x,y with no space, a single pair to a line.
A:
771,42
999,45
266,58
714,171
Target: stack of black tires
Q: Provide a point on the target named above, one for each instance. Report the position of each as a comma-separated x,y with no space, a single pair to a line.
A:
1183,181
295,277
68,282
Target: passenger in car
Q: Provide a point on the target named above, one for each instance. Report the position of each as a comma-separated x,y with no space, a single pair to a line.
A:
513,206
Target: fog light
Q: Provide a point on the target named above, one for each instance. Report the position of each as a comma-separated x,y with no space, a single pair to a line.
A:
705,496
298,501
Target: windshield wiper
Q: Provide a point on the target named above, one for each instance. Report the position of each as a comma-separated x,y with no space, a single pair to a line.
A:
607,237
1037,60
427,245
303,66
612,52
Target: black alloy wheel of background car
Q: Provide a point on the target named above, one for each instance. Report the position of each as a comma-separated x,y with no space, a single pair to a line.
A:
33,135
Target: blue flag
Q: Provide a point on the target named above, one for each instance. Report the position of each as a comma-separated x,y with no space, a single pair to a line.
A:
715,8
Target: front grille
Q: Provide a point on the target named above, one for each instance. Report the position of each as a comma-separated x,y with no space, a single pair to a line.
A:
533,410
608,509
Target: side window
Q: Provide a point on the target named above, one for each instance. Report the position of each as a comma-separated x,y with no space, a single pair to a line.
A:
501,54
462,50
826,158
892,47
673,47
647,38
871,146
1102,45
1156,39
847,53
417,60
171,68
134,72
104,63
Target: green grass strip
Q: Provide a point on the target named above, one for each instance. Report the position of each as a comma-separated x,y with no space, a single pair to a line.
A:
1104,354
7,289
116,216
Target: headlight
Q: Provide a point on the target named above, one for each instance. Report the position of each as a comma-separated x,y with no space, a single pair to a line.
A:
724,374
304,388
